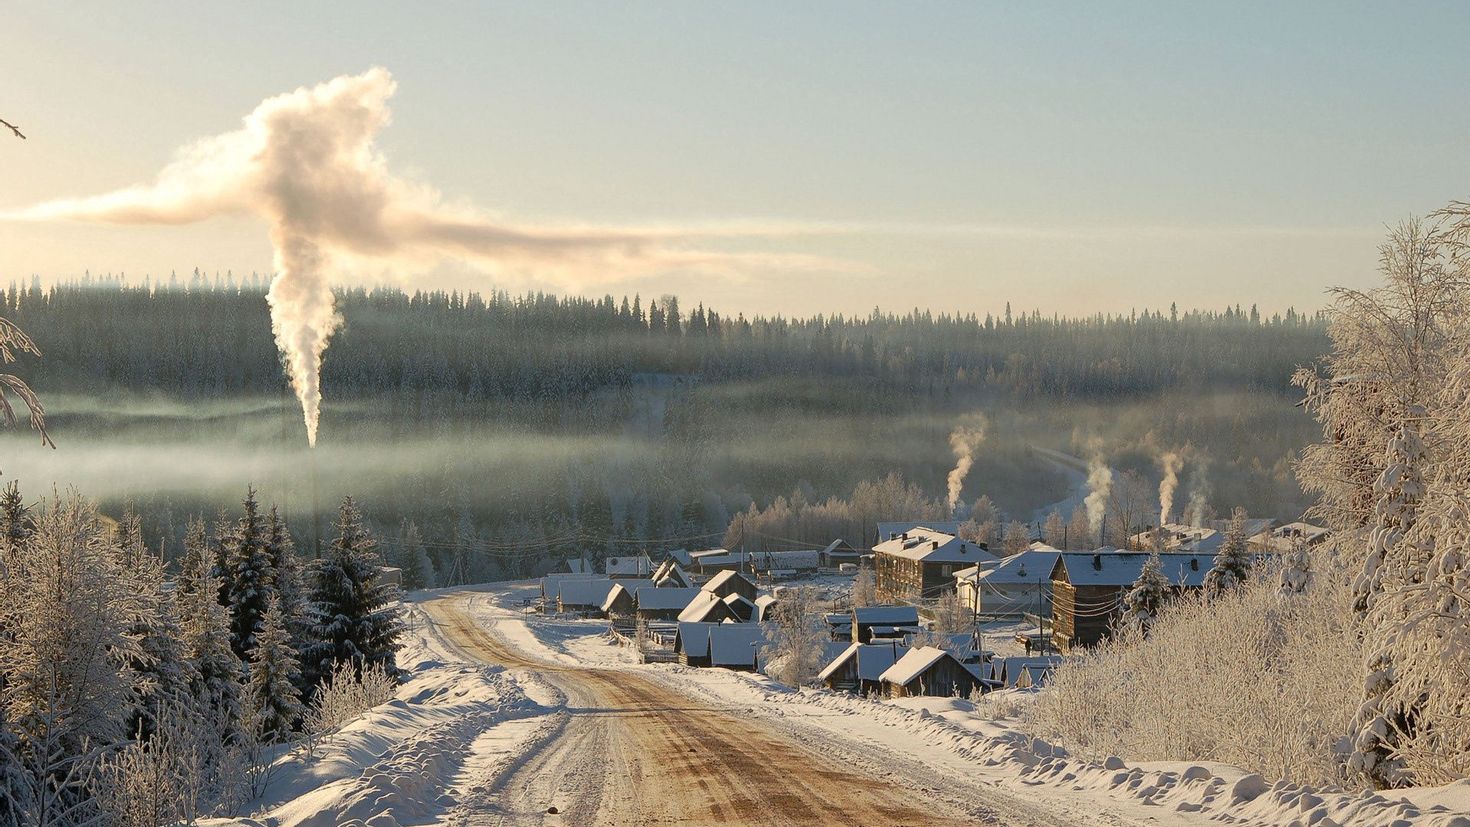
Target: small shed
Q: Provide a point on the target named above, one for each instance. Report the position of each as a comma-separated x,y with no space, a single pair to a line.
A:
1020,673
838,552
619,602
765,608
586,596
858,667
736,645
886,621
727,583
930,671
840,625
651,603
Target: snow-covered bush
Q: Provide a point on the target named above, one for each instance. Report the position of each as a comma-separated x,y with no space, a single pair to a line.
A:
348,693
1250,678
796,642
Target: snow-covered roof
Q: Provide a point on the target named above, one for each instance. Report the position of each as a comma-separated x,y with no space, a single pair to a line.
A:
693,638
930,546
551,583
763,605
889,529
735,644
1009,670
702,607
577,565
886,615
584,592
873,659
1285,538
1121,568
697,556
637,565
913,664
840,547
612,596
678,555
724,577
657,599
742,607
671,573
1025,568
799,559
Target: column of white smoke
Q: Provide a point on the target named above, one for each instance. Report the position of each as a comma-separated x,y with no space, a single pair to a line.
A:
303,318
964,440
1171,462
1099,488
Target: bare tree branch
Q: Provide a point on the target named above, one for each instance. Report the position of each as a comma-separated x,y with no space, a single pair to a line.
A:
13,128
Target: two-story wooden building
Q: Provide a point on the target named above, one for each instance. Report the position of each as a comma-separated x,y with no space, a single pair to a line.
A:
1088,589
921,562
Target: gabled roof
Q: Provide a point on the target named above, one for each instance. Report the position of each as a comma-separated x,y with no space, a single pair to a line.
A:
742,607
577,565
873,659
885,530
1024,569
840,547
670,573
678,555
930,546
637,565
763,606
1009,670
735,644
724,577
696,556
655,599
1121,568
551,583
799,559
886,615
693,639
704,606
589,592
914,663
612,596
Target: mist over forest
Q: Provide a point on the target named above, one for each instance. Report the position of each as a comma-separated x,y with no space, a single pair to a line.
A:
572,426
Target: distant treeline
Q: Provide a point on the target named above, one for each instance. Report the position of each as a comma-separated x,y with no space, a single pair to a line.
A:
213,339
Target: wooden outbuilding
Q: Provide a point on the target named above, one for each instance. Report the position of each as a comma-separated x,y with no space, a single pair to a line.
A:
930,671
858,668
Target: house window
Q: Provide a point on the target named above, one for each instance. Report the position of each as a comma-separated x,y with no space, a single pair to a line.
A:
948,570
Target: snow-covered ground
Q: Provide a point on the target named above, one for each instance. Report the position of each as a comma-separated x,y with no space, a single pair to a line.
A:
437,753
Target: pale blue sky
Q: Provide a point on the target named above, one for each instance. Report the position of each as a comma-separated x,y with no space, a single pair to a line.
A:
1074,157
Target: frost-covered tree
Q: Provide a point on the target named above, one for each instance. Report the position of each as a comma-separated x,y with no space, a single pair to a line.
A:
1054,531
951,615
251,576
413,559
290,579
354,613
15,521
797,640
1233,561
1296,570
273,697
864,589
1079,530
1146,596
162,672
218,673
197,562
1017,538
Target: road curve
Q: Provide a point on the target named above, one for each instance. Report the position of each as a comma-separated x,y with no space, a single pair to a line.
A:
629,751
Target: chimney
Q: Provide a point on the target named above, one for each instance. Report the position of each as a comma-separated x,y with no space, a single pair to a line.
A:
905,536
934,544
963,549
1097,562
983,546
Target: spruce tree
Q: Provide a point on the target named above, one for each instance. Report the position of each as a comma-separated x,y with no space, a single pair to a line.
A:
252,578
1233,562
196,565
1147,595
215,682
162,674
16,524
353,611
275,672
413,559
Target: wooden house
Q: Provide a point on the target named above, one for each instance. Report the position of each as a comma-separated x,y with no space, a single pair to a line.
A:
707,608
933,672
921,563
883,622
838,552
633,567
736,645
727,583
619,602
1088,589
857,668
584,596
691,643
651,603
1017,585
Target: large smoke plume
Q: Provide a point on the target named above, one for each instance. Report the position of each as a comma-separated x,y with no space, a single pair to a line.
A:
1099,489
964,440
307,163
1170,462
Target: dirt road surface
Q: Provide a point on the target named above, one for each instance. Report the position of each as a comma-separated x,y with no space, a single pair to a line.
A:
629,750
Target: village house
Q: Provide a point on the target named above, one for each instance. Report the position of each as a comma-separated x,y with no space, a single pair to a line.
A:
765,608
836,553
839,625
584,596
707,607
636,567
786,563
670,574
1283,539
888,531
718,559
736,646
619,602
858,667
1022,672
551,584
1088,589
741,608
576,565
883,622
653,603
691,643
1017,585
920,563
727,583
933,672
